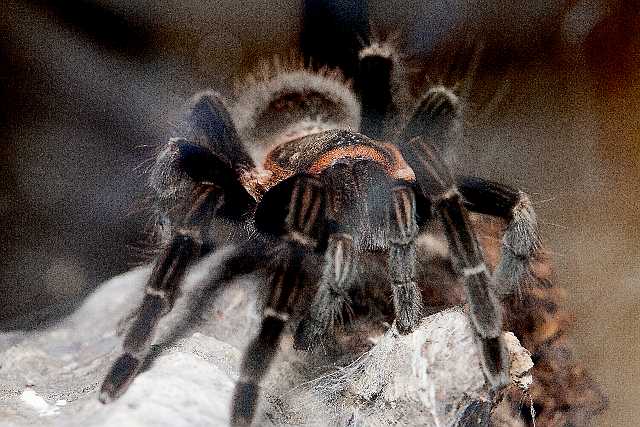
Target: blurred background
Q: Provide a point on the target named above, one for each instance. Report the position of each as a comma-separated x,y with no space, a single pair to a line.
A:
89,88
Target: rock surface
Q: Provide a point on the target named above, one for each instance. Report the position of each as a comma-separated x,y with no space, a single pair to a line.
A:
50,377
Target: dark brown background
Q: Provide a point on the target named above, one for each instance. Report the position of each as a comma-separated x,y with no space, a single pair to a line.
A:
89,87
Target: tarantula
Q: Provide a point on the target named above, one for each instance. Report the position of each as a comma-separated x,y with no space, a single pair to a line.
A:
313,166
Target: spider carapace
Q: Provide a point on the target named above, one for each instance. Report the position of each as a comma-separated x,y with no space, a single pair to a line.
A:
314,166
355,177
326,149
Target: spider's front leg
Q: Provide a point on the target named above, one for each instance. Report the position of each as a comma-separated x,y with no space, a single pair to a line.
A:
194,185
333,293
302,226
436,183
358,201
402,260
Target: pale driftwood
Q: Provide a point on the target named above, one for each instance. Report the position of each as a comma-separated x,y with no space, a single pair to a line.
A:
431,377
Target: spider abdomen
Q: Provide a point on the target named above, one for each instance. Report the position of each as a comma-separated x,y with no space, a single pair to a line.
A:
289,103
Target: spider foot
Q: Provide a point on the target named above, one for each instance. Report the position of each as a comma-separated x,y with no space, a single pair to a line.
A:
245,400
438,115
409,307
519,244
495,361
308,335
407,320
440,103
119,378
512,271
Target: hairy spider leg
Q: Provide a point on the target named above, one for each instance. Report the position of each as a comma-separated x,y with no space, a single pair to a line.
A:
193,185
365,210
484,307
341,38
373,87
161,292
520,240
343,203
332,34
212,125
303,222
402,259
437,184
437,116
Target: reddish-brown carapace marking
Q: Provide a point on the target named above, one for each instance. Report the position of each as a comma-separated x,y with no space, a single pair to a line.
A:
315,153
360,152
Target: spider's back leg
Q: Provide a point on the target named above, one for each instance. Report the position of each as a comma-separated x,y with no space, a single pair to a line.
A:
374,88
520,241
332,34
436,117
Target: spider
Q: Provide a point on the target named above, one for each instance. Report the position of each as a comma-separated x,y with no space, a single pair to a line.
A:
313,165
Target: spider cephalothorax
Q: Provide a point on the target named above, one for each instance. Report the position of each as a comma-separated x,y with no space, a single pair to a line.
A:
306,162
